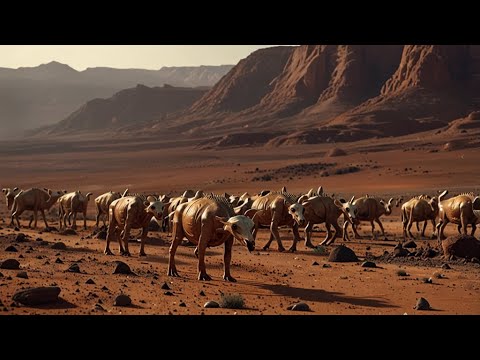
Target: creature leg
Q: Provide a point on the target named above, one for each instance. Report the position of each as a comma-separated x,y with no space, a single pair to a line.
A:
202,248
142,244
111,233
308,235
227,258
377,220
44,218
177,235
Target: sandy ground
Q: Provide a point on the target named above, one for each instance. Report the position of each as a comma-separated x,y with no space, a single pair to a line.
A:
269,281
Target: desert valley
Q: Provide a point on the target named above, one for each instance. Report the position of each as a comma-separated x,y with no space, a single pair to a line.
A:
383,121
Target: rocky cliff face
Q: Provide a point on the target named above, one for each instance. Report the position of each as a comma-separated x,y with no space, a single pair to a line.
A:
246,84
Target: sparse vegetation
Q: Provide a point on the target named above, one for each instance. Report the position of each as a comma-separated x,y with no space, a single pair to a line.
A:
232,301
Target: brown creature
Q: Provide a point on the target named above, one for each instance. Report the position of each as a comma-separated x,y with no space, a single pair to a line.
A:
459,210
365,209
131,212
208,222
272,210
102,204
174,204
420,208
318,210
71,204
34,200
10,196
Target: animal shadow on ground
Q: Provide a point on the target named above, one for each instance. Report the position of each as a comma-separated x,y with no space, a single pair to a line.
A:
319,295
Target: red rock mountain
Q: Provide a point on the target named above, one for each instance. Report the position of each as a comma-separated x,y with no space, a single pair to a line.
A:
352,92
128,107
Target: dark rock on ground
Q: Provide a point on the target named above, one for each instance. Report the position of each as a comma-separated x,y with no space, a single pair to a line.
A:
10,264
37,296
211,304
299,307
122,300
342,254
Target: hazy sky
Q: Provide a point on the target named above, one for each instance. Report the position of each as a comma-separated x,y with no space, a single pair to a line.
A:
124,56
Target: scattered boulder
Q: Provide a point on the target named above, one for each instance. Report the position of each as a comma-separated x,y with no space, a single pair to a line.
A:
463,246
20,238
326,266
74,268
422,304
182,304
122,300
430,253
10,264
11,248
475,260
59,246
446,266
369,264
399,251
299,307
122,268
202,293
90,282
410,245
315,263
342,254
165,286
22,274
168,293
59,261
37,296
211,304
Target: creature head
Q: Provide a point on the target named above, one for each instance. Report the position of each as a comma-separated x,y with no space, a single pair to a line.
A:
10,195
241,227
349,208
387,206
297,211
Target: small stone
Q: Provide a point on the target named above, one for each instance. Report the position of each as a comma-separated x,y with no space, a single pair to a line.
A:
46,263
168,293
211,305
165,286
369,264
326,266
59,261
74,268
90,281
315,263
11,248
20,238
182,304
422,304
59,246
10,264
16,228
446,266
1,275
22,274
39,239
427,280
410,245
122,268
368,248
201,293
299,307
99,307
104,288
475,260
21,256
122,300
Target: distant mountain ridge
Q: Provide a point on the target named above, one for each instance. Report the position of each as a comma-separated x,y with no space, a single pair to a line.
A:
31,97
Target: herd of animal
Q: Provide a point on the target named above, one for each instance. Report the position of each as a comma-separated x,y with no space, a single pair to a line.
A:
209,220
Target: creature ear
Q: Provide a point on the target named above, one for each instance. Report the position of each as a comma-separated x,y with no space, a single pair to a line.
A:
338,204
343,201
320,190
146,203
382,202
65,191
390,201
224,221
284,189
15,188
151,198
4,190
264,192
353,199
88,195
